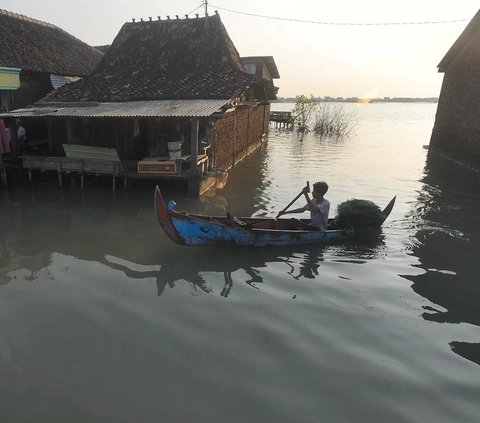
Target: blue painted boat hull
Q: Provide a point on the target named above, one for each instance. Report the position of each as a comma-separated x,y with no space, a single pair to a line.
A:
198,232
192,229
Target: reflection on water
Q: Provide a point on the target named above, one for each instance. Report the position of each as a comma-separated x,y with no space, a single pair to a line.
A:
66,226
447,241
103,318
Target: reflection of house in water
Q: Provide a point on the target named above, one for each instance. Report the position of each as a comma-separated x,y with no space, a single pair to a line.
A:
457,125
447,244
170,97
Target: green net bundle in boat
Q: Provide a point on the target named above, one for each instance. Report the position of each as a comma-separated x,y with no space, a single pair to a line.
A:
358,213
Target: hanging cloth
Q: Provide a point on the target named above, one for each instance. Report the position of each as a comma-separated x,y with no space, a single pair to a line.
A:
4,141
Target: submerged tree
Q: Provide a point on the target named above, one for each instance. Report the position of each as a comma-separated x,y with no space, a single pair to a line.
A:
332,119
303,112
325,118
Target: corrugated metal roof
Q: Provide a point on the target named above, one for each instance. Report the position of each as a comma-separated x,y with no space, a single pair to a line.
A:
135,109
60,80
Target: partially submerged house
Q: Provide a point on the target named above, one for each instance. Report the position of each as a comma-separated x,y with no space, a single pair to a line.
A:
457,123
170,97
37,57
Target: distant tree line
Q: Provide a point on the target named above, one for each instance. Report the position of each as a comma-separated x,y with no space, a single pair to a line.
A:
363,100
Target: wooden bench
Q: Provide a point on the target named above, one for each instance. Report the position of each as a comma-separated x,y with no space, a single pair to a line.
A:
80,159
60,164
97,160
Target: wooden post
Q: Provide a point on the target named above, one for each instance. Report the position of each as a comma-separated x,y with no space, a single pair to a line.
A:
211,150
150,136
59,170
82,176
194,180
68,124
50,134
194,148
14,143
247,147
2,171
233,138
116,131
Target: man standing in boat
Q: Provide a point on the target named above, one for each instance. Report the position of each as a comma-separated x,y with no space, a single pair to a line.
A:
318,205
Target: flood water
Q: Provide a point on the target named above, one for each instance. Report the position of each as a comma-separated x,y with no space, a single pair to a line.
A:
104,319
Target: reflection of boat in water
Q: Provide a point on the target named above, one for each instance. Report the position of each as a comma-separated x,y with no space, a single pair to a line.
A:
248,267
195,229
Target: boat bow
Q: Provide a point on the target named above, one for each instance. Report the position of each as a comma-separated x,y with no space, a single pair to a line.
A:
164,217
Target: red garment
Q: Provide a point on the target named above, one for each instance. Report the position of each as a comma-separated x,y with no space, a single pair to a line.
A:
4,142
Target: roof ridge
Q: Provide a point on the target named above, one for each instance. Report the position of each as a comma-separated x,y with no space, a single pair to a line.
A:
168,18
26,18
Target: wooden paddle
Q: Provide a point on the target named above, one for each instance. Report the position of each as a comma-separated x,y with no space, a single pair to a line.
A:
293,201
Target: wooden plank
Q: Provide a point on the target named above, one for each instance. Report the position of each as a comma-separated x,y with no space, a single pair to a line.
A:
99,166
65,164
90,152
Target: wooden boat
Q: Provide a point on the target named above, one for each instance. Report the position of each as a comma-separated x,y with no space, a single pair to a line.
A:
196,229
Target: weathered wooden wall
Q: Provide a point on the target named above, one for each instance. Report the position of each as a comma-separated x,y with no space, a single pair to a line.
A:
238,133
457,123
34,86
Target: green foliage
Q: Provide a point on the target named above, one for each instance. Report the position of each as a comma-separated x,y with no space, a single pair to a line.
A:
303,112
358,213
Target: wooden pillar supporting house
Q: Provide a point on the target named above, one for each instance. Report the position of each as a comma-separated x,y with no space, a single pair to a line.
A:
68,124
194,180
50,134
210,143
14,143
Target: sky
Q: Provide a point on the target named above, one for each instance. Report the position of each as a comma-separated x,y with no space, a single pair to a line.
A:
312,59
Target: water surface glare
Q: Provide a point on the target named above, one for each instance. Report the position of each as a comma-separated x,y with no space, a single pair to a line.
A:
104,319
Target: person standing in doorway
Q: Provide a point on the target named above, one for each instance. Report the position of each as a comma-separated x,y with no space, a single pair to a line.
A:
22,138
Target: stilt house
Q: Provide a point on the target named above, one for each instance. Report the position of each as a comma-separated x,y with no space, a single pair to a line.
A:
171,98
457,124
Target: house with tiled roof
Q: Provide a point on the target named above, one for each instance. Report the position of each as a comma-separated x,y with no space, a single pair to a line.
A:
37,57
456,132
171,96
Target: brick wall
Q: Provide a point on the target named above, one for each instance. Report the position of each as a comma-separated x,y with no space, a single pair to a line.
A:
238,133
457,123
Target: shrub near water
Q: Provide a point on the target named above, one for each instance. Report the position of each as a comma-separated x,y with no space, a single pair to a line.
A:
358,213
332,120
